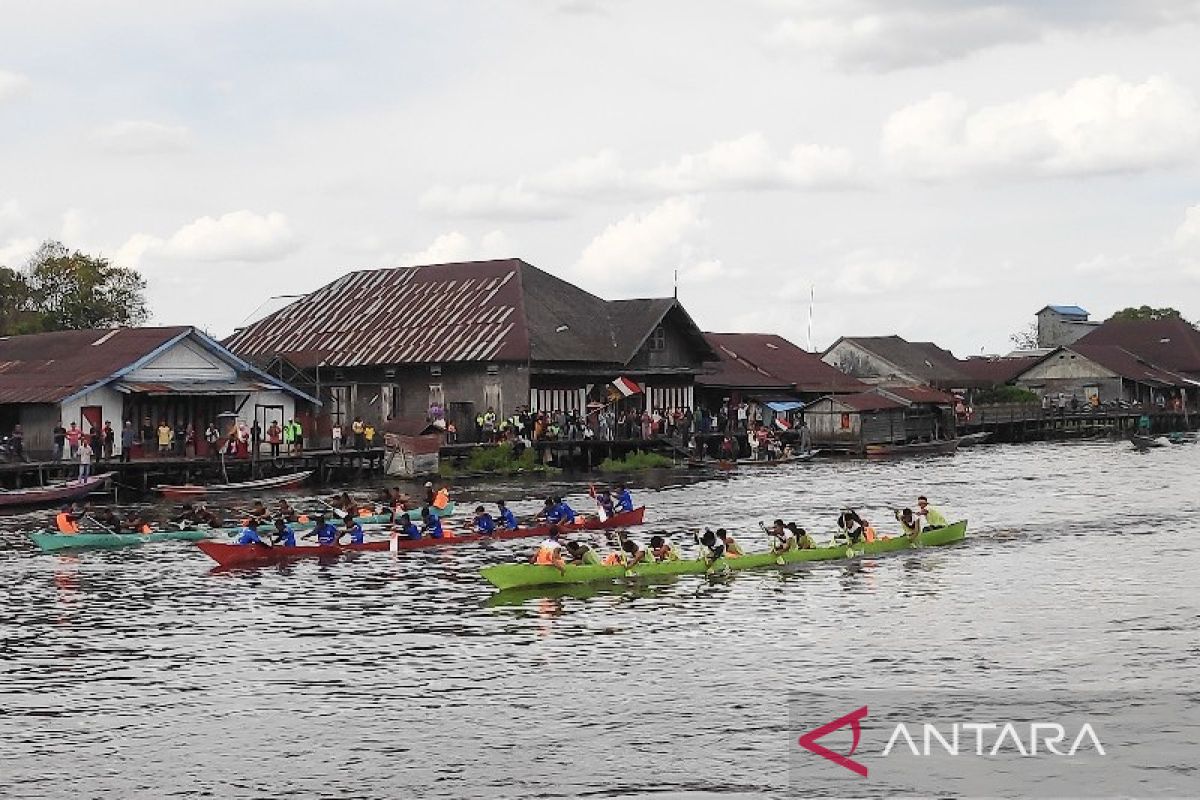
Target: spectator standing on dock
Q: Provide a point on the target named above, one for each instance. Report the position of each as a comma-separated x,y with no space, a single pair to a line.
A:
110,439
212,437
275,437
297,437
18,442
128,437
165,437
73,437
356,427
743,416
85,459
189,441
60,441
256,436
369,434
335,434
179,438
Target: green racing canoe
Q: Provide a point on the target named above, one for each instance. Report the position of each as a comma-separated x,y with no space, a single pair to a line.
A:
74,541
517,576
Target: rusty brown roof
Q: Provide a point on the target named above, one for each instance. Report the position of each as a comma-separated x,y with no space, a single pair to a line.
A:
501,310
47,367
753,360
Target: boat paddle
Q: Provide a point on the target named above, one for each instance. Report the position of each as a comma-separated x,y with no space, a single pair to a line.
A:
337,512
97,522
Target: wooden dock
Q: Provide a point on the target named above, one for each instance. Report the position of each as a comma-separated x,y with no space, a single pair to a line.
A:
143,473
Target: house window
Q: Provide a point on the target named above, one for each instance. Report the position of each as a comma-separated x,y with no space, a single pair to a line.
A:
658,339
493,369
339,404
845,422
435,371
436,396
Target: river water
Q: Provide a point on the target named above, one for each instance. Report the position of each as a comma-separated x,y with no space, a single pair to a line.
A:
139,673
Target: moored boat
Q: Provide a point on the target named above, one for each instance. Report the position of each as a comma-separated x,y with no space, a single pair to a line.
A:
235,555
773,462
940,447
189,491
972,439
517,576
49,542
1148,442
54,493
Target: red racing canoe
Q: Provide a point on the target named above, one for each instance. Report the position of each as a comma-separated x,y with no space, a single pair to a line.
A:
240,555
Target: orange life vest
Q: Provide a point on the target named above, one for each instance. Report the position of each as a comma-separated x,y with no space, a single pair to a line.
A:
547,557
146,529
869,533
613,560
441,499
65,523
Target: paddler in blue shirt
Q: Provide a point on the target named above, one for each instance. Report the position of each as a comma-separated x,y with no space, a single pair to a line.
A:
508,520
407,528
566,514
355,530
431,523
624,498
283,533
483,522
326,533
249,534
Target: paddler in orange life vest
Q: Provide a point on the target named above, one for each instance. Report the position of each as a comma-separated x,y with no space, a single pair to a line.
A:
629,556
732,549
67,521
549,552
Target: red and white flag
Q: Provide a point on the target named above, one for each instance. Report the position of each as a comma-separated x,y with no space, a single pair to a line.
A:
626,387
782,424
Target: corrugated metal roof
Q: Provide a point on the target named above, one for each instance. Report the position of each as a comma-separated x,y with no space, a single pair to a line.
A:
503,310
864,401
1174,344
766,360
195,387
1127,364
46,367
1069,311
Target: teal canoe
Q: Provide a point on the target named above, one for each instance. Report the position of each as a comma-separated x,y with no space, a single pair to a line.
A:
76,541
520,576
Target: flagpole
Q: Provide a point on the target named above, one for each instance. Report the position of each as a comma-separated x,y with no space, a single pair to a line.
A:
811,295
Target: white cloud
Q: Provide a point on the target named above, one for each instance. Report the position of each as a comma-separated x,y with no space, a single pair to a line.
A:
142,137
489,201
883,35
865,272
1187,235
12,84
455,246
11,216
75,226
642,250
16,251
239,236
746,163
1096,126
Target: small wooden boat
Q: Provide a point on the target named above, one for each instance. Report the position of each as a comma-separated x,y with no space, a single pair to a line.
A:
1148,442
50,542
240,555
940,447
772,462
520,576
192,491
54,493
972,439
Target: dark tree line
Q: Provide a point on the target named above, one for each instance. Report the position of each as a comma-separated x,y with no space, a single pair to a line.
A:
60,289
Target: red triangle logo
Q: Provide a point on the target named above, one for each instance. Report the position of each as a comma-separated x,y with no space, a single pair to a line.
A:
854,719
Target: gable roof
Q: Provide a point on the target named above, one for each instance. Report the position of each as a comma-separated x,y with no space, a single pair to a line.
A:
1124,363
923,360
764,360
56,366
862,401
996,371
920,394
1172,344
1067,311
500,310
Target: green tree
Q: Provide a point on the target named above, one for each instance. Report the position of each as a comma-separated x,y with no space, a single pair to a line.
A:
1146,312
17,314
74,291
1026,338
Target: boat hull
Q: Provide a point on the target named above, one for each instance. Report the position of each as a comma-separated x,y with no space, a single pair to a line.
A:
236,555
943,448
64,492
191,492
520,576
50,542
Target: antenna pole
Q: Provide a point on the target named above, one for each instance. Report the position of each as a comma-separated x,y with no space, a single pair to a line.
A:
675,293
811,295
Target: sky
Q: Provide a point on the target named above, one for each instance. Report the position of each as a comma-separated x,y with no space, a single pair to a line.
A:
940,170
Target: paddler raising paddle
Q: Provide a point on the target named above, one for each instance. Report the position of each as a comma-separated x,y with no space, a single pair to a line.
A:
779,537
910,523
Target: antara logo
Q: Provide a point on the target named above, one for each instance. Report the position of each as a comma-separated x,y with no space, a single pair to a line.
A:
854,719
1043,739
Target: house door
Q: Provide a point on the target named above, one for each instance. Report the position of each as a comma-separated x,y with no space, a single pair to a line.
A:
493,399
265,415
91,417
